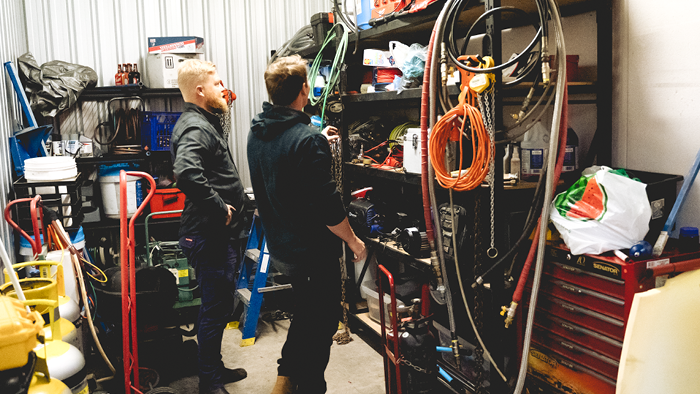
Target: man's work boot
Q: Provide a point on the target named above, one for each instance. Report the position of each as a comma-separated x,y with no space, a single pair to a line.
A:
233,375
284,385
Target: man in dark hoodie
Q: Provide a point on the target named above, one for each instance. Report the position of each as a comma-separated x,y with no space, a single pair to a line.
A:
213,220
304,222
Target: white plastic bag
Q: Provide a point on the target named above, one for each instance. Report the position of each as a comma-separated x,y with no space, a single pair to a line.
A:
602,212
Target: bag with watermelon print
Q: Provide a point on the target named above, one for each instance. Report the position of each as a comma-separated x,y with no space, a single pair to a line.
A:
602,211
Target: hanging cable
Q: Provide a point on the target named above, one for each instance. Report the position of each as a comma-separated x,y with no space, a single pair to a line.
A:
451,128
557,123
334,75
454,54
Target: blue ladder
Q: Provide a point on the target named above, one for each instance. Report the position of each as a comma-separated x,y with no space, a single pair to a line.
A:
255,265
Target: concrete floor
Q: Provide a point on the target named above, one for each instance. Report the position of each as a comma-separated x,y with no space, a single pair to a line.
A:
354,368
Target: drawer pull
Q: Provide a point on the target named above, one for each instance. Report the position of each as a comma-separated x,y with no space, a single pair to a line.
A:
571,289
569,327
569,346
570,308
569,268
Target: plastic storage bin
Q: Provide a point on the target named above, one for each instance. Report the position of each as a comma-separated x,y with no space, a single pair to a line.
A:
156,129
168,200
373,305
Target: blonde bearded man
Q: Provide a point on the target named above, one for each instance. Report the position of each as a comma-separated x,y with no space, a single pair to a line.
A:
213,221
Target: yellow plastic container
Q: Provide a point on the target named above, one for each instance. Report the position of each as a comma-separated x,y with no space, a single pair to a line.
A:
18,332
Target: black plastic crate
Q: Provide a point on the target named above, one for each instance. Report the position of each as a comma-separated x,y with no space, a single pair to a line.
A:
63,197
661,191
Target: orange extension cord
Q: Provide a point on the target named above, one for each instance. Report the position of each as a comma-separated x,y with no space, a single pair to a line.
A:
451,128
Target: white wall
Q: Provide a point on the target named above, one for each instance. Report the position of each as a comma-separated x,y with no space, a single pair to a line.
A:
13,44
238,36
656,115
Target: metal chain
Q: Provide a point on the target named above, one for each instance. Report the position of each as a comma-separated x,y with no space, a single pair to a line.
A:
409,364
487,106
344,337
225,119
337,172
478,295
337,164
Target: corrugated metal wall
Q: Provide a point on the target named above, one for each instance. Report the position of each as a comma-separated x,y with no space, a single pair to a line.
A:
12,45
238,36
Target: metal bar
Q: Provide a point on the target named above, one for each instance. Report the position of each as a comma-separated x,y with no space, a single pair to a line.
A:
274,288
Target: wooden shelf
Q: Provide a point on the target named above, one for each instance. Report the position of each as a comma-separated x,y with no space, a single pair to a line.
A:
373,325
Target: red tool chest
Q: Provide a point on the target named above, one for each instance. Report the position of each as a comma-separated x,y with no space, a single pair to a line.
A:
582,309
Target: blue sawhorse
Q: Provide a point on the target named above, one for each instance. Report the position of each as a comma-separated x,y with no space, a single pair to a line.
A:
255,266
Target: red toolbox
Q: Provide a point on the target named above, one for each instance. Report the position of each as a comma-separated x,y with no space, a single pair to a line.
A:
582,309
171,199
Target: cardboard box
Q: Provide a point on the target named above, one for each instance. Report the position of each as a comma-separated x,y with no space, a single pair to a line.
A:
187,44
162,68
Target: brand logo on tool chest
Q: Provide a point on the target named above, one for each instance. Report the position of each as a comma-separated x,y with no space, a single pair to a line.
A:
609,268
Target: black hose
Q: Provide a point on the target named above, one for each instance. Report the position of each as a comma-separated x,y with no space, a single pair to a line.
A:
452,52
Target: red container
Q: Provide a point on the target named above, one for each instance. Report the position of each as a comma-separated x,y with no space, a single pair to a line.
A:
167,200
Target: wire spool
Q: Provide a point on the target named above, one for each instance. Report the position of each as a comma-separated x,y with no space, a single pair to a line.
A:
451,127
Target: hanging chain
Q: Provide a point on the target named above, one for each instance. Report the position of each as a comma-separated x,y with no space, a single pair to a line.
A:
225,120
478,295
487,106
337,172
337,164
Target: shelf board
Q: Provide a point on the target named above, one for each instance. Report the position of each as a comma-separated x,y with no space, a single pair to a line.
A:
392,249
107,223
108,92
367,321
410,26
521,90
394,175
111,159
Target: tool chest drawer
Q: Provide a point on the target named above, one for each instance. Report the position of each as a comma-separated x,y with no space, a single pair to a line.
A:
604,285
568,376
581,296
581,336
588,358
584,317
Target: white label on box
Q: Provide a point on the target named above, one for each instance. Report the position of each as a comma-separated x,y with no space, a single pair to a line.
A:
658,263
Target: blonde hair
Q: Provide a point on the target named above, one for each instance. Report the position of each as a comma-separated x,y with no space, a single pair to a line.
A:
191,73
284,79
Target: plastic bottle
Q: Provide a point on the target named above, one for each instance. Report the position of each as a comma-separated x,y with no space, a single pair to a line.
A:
515,162
506,160
571,155
534,148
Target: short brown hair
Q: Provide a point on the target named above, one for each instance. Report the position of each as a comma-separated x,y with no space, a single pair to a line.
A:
192,72
284,79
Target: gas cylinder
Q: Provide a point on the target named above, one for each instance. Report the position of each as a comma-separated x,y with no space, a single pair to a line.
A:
417,345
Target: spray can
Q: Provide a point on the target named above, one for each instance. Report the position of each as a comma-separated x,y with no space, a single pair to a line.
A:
534,151
506,160
515,162
56,145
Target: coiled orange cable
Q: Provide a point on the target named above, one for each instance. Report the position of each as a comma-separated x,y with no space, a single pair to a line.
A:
451,128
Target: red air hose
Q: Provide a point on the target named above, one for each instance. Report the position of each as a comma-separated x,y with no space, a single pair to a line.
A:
424,109
518,295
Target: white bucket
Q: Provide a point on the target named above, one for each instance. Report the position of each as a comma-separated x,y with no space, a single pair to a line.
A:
109,186
51,168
